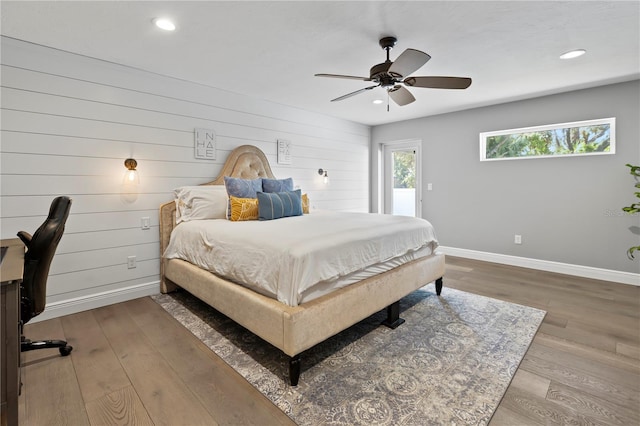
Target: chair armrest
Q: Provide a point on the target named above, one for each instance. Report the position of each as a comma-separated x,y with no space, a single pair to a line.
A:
25,237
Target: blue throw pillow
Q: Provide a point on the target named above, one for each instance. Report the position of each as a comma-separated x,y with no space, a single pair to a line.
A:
274,205
277,185
242,188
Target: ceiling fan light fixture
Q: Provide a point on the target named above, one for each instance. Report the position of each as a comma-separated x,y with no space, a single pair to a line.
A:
573,54
394,75
164,24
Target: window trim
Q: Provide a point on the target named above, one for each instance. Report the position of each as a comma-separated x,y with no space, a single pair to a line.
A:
612,136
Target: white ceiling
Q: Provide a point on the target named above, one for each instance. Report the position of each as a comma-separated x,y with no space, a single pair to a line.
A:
271,50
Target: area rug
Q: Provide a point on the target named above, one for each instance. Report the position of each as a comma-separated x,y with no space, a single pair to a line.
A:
449,363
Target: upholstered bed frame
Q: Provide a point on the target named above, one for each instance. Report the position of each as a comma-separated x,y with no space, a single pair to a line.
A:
292,329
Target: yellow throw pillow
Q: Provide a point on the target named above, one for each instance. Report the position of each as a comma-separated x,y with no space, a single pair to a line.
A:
305,204
243,208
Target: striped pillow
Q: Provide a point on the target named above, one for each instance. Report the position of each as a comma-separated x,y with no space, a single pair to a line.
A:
274,205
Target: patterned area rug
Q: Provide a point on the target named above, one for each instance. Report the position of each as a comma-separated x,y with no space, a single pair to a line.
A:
449,363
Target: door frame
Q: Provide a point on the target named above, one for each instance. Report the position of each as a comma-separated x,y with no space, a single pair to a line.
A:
387,176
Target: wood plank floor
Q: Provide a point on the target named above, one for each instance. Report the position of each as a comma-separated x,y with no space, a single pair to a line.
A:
134,364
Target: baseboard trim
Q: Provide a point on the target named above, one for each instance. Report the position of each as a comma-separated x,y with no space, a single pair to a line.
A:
546,265
85,303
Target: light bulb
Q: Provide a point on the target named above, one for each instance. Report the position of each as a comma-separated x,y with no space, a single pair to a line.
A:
131,175
573,54
164,24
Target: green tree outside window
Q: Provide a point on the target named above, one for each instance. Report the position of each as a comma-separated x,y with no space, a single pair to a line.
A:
554,140
404,169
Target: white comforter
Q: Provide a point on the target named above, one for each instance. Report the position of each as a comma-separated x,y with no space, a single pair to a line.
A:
284,258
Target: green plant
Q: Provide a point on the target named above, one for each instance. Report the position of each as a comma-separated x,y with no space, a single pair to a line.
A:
635,207
404,169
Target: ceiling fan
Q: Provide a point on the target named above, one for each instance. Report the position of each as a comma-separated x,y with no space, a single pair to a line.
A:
392,75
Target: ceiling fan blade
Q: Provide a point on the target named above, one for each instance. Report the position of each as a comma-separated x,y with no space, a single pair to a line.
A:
348,95
409,61
400,95
350,77
438,82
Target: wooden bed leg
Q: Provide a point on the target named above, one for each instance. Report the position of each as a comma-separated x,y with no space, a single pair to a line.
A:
393,316
439,286
294,369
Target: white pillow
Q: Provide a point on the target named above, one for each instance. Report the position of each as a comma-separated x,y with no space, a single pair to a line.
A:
201,202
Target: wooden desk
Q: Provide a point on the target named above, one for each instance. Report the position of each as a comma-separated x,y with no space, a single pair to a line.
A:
10,276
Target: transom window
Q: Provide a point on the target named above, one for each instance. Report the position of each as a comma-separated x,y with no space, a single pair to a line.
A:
589,137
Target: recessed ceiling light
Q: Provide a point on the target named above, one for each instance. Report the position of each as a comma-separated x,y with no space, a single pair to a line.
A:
573,54
164,24
377,101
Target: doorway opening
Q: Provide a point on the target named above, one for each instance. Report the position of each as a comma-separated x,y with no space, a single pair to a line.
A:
402,177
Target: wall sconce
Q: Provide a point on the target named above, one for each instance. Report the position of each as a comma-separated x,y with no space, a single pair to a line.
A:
324,174
131,175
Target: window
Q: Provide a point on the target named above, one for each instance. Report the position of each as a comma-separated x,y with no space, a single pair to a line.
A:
590,137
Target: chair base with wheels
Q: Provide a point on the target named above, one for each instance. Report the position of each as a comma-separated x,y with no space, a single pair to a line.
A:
32,345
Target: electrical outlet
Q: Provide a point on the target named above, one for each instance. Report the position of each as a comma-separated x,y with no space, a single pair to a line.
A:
131,262
517,239
145,223
429,187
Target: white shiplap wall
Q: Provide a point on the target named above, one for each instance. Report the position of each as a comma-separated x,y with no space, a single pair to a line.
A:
68,123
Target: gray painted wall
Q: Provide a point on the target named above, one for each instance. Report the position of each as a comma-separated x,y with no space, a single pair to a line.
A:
566,209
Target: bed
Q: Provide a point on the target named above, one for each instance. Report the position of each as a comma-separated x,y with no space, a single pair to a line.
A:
292,329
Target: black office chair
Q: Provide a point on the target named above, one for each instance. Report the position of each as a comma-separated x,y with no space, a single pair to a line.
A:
40,250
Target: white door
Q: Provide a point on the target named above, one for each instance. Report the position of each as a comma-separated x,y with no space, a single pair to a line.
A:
402,176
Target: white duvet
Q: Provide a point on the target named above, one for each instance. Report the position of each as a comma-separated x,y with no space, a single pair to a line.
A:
286,258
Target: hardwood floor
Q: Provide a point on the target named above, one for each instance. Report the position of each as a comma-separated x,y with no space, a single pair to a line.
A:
134,364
